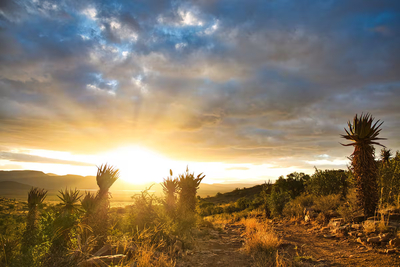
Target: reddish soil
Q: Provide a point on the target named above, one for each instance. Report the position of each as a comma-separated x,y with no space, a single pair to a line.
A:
323,251
217,248
222,248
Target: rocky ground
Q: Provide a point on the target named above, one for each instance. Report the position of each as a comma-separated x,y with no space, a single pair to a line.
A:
322,246
307,244
217,248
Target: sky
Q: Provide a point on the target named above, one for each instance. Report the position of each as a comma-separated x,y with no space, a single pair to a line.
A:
238,90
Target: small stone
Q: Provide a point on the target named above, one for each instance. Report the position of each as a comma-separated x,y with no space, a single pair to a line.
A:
390,251
374,239
394,242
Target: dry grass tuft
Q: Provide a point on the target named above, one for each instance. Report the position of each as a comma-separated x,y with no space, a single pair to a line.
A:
262,243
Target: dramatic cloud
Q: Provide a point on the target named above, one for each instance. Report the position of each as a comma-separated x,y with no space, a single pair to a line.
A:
20,157
229,81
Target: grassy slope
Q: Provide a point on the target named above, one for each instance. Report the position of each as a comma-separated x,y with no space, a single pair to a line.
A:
235,195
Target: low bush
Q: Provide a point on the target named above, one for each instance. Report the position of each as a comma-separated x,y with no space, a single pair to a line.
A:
295,208
277,201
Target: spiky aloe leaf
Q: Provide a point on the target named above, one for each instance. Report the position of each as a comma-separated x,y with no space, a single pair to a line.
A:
69,199
36,196
89,202
363,131
106,176
386,154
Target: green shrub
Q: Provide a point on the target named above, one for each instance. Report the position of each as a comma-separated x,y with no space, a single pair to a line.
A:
242,203
143,212
328,182
277,201
327,204
294,183
295,208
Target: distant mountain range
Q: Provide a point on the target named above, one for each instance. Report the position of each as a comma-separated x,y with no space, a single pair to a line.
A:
11,189
17,182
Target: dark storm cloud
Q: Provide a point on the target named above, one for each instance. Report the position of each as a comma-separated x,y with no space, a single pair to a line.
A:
208,80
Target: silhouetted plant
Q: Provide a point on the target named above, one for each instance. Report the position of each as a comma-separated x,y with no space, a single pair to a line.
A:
69,201
89,205
170,187
144,212
106,177
386,154
188,185
67,220
36,196
363,133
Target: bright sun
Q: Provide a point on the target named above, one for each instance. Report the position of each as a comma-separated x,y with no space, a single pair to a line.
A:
139,165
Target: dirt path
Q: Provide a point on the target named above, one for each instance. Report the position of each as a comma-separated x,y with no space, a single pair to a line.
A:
330,252
221,248
218,248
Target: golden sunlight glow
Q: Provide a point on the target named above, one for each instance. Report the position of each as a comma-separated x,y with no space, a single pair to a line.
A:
138,165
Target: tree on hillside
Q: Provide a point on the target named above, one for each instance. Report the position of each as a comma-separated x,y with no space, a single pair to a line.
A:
389,178
363,135
294,183
386,154
327,182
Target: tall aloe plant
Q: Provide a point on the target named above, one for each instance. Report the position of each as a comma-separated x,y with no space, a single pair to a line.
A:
89,206
188,184
36,196
363,133
170,187
106,177
67,219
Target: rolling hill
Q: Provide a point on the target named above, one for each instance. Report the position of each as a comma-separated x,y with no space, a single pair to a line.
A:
121,188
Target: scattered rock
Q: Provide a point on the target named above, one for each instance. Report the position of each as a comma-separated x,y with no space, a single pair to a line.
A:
375,239
359,219
394,217
361,241
102,261
394,242
177,248
353,233
390,251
